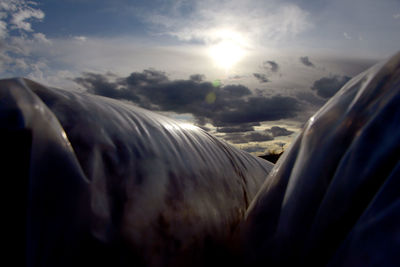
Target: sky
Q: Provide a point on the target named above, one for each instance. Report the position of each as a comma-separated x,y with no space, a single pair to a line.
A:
251,72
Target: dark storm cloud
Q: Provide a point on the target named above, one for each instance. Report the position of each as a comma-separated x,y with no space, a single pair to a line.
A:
278,131
197,77
306,62
223,106
99,84
147,77
271,66
310,98
254,149
257,109
235,91
259,137
328,86
152,89
262,78
180,96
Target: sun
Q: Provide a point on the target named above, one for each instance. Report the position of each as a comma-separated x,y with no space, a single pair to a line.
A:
228,50
226,54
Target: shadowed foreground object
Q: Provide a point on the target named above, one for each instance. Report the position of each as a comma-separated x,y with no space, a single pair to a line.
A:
108,184
105,183
334,197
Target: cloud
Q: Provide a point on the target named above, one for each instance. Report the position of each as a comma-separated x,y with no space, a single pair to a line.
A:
197,77
19,13
20,19
236,77
259,137
235,138
254,149
238,138
100,85
16,14
310,98
271,66
3,30
278,131
210,22
236,129
148,77
347,36
18,39
262,78
152,89
235,91
257,109
306,62
328,86
41,38
80,38
223,106
396,16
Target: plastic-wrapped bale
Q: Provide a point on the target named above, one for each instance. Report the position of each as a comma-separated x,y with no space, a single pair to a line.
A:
105,183
334,197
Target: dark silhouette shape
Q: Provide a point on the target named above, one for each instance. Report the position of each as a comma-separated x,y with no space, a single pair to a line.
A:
105,183
272,157
333,198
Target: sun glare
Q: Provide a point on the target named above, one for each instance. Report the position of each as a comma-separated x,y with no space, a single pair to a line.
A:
229,49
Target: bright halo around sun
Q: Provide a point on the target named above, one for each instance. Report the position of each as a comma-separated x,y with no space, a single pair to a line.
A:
229,49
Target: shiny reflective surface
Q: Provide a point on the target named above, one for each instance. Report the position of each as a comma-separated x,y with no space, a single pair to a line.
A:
334,198
103,183
110,184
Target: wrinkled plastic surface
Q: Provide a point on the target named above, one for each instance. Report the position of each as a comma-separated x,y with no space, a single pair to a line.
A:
107,184
334,198
110,184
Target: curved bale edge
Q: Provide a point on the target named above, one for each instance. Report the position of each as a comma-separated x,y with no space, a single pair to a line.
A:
105,183
333,198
